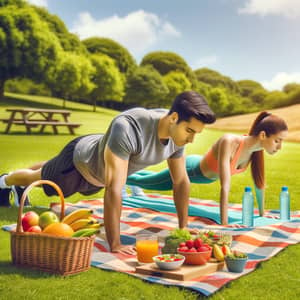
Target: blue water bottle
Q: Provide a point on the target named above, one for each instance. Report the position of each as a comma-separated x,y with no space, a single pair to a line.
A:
284,203
248,207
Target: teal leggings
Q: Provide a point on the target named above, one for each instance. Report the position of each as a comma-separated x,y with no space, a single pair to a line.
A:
161,181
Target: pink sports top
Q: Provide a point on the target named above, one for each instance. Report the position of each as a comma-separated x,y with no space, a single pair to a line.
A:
212,162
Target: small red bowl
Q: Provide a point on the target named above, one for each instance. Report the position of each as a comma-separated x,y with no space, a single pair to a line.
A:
196,258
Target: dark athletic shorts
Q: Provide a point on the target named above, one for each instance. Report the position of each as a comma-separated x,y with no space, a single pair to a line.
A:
62,171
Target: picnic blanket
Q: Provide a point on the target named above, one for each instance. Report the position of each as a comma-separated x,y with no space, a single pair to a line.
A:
260,242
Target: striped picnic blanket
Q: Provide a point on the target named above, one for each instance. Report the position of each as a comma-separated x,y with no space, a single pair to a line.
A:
261,242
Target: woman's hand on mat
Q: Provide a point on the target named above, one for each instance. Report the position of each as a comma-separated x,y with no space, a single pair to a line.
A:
125,249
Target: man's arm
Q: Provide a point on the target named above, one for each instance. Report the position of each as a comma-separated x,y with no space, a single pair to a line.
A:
181,189
115,177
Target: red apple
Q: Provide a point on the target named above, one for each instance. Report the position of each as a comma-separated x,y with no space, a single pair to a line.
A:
29,219
35,228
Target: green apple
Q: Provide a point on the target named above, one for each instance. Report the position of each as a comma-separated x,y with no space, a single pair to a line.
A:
47,218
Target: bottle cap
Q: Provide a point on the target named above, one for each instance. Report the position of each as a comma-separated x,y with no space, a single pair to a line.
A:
284,188
247,189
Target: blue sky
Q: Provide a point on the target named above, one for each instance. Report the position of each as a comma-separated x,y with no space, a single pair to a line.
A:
243,39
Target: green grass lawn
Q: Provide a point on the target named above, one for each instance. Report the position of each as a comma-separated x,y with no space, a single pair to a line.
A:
274,279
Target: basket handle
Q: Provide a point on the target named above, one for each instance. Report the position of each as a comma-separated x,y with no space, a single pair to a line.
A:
27,190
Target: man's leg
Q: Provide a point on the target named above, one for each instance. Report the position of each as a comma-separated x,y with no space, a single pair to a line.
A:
23,177
17,180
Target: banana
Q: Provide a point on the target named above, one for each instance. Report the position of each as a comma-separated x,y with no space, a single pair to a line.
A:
96,225
218,253
85,232
94,220
81,213
81,223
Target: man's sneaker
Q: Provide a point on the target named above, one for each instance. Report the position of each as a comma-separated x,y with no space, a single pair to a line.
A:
136,191
18,192
4,197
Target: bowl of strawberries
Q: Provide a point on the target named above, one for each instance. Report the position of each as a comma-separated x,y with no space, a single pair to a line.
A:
196,252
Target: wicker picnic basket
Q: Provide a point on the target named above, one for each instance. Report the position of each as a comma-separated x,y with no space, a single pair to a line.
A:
59,255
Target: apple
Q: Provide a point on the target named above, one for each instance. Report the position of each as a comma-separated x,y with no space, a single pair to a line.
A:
35,228
29,219
47,218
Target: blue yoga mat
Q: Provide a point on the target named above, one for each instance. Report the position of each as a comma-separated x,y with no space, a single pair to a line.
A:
213,213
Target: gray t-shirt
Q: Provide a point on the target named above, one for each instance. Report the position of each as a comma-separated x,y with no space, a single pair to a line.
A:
132,136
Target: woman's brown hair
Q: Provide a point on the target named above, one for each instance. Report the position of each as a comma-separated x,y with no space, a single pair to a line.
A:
270,124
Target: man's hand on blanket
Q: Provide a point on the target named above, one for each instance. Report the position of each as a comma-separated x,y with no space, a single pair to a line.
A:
125,249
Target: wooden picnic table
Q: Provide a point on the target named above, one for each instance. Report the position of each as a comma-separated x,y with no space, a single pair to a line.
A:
34,117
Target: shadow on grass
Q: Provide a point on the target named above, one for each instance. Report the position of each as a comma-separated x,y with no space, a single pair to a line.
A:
7,268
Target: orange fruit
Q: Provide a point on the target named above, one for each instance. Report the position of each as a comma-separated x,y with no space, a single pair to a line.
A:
59,229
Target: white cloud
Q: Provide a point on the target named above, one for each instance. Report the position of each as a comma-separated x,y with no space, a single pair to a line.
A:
136,31
38,2
280,80
287,8
205,61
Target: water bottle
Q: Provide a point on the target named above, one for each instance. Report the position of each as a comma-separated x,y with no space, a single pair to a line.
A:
284,203
248,207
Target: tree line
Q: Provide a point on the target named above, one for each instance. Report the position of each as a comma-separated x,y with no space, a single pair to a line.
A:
38,55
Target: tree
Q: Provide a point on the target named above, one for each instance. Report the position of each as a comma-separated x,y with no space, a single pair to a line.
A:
247,87
68,41
176,83
18,3
145,87
203,88
123,58
109,82
165,62
215,79
218,101
27,47
72,77
293,97
276,99
291,87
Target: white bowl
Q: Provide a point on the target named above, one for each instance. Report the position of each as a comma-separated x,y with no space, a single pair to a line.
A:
169,261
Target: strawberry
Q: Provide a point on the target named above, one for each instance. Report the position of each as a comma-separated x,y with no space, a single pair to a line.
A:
189,244
192,250
182,244
198,243
183,249
203,249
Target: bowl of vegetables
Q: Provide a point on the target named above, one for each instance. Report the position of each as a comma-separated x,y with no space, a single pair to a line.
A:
236,261
169,261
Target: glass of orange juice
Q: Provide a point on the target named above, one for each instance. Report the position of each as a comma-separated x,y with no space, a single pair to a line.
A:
146,247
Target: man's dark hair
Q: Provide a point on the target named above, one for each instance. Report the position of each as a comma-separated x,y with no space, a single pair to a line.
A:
191,104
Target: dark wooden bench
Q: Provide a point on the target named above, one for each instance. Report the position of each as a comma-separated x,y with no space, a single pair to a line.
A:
29,122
